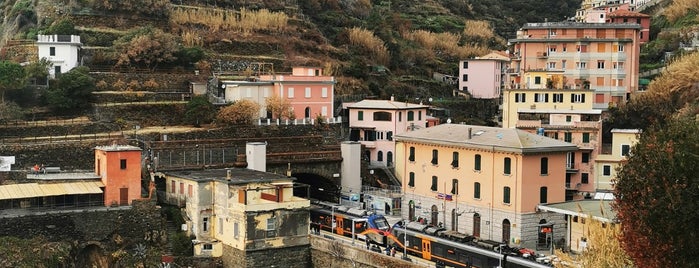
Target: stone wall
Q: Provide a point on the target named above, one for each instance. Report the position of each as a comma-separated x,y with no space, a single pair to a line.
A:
164,82
291,257
325,254
141,223
67,156
28,131
143,114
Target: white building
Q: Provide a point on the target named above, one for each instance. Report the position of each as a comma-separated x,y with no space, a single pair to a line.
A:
63,51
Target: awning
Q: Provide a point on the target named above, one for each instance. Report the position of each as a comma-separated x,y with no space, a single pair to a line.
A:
29,190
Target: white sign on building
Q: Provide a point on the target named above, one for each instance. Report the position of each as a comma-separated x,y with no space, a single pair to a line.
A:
6,162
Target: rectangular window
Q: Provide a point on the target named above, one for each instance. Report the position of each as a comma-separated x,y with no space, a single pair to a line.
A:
620,48
290,93
236,230
464,88
411,180
563,62
506,195
600,64
557,97
607,170
581,65
360,115
585,158
308,92
455,160
205,224
52,51
577,98
568,137
270,224
181,188
465,78
585,178
411,116
569,118
551,65
419,115
122,163
435,157
477,163
618,65
324,92
173,187
411,157
520,97
434,183
208,247
465,64
541,97
477,190
625,150
537,80
507,169
543,195
586,137
454,186
544,166
190,190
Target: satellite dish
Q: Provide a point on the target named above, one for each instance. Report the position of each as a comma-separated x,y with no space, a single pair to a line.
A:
449,121
430,99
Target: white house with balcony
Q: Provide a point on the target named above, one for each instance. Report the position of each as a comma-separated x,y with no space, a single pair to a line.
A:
63,51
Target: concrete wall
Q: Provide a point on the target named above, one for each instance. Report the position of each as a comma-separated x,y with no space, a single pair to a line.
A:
291,257
325,254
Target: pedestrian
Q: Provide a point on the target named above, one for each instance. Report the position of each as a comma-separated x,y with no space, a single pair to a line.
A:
42,169
367,243
36,169
393,251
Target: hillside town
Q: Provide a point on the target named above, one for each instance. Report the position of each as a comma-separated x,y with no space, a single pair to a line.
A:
283,169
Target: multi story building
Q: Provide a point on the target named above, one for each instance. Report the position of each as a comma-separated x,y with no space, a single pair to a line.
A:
119,167
613,155
63,51
562,114
309,93
374,123
248,217
484,77
603,57
627,16
484,181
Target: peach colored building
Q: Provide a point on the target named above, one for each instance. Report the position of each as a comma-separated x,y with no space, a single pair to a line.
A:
484,77
603,57
483,181
374,123
309,92
613,156
627,16
120,169
579,216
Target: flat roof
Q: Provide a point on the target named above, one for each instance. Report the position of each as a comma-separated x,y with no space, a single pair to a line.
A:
626,130
597,209
30,190
580,25
238,175
115,148
487,138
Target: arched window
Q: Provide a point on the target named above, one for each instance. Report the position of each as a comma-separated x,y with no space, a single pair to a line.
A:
307,112
379,156
389,158
477,225
411,210
435,216
506,231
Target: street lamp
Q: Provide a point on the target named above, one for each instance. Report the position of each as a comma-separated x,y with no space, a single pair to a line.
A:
500,251
405,240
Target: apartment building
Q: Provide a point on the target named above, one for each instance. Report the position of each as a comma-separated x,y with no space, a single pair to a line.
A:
374,123
309,93
484,77
602,57
613,155
483,181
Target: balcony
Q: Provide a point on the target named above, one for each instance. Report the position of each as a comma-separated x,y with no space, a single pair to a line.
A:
588,124
369,144
528,123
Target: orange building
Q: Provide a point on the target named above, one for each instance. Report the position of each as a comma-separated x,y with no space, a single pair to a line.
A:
120,169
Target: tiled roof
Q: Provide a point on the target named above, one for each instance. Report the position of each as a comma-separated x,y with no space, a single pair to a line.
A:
627,13
237,175
385,105
488,138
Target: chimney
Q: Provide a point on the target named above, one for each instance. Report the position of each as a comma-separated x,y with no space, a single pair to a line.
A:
469,133
391,97
228,174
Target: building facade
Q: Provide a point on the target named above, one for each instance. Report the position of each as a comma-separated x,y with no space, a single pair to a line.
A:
603,57
374,123
249,218
119,166
612,157
483,181
484,77
63,51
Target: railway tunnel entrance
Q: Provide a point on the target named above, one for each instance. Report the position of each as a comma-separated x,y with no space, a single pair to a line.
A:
319,187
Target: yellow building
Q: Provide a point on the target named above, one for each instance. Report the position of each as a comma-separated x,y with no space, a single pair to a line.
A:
242,215
483,181
612,156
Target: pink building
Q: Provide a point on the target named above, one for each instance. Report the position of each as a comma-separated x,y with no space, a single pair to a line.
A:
626,16
603,57
484,77
374,123
309,92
